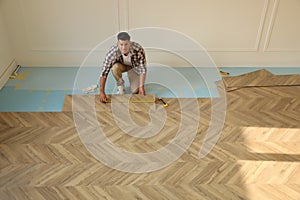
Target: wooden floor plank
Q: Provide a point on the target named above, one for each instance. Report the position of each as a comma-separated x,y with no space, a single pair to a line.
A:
256,157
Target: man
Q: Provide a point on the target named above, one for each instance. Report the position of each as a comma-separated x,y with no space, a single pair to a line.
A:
125,56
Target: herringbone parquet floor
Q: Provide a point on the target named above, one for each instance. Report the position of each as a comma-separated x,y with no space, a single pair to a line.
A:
257,155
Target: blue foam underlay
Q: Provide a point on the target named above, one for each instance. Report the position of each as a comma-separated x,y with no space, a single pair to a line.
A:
43,89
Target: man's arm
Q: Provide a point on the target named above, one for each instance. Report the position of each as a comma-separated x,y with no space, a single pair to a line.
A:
107,64
142,83
102,96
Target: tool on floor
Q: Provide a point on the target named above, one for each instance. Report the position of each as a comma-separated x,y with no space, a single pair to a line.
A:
132,98
223,73
90,89
165,103
15,73
135,98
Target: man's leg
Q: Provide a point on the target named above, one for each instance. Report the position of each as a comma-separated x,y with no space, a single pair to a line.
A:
134,80
117,70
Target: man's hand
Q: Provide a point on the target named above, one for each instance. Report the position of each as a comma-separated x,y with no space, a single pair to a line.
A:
142,82
103,97
142,91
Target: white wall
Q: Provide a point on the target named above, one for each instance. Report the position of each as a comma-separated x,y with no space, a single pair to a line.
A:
235,32
6,52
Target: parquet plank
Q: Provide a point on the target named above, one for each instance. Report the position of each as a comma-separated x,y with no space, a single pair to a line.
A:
256,157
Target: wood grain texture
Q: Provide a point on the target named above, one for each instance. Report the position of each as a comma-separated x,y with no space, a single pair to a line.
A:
260,78
256,157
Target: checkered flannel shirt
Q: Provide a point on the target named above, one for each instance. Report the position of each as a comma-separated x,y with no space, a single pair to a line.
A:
138,59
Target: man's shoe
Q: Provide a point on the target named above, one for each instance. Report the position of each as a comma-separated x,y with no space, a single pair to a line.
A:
120,89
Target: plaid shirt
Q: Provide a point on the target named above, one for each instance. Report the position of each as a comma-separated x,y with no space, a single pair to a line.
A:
114,55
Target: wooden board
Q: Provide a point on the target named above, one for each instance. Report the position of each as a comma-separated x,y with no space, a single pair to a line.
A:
260,78
256,157
89,102
132,98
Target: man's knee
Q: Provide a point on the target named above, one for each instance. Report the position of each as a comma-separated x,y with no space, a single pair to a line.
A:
134,90
117,68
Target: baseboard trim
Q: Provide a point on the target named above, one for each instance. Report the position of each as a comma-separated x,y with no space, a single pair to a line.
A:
7,73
